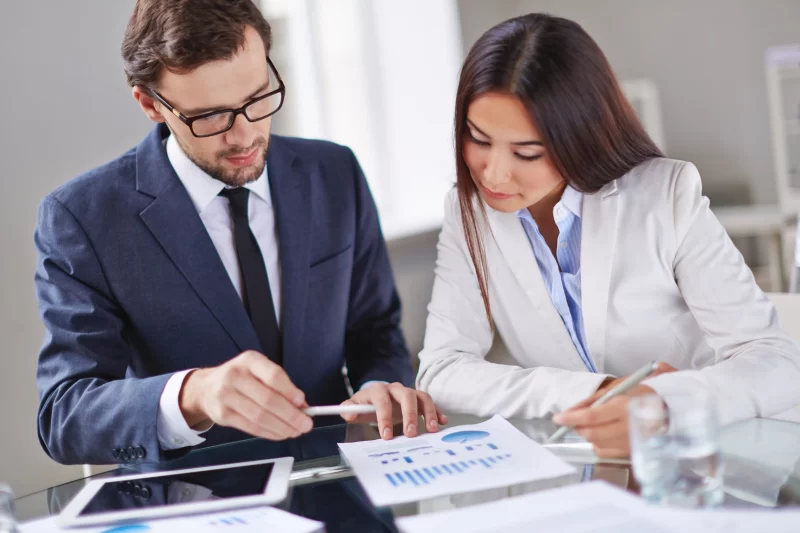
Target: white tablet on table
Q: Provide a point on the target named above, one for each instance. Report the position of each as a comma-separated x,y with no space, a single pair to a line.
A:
195,490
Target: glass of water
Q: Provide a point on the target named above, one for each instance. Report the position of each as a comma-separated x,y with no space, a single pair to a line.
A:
675,449
8,521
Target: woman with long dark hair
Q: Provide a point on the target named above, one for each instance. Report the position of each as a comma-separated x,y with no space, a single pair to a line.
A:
571,236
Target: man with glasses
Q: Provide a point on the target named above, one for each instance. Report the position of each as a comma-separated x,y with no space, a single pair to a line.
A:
215,280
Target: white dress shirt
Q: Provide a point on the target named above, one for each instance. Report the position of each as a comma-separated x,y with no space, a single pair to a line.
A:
173,431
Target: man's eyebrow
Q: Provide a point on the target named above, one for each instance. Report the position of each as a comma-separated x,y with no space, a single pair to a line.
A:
202,111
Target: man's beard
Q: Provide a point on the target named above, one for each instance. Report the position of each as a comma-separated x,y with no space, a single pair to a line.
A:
237,177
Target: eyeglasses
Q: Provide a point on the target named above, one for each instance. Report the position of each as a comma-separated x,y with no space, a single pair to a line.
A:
220,121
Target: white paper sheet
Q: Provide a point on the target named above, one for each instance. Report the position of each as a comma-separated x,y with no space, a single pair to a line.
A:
254,520
461,459
595,507
728,521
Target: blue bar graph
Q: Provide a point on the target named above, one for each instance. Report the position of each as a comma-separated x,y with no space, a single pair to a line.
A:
408,459
425,475
419,475
229,521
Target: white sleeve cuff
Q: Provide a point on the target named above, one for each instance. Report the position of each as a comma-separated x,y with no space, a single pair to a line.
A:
368,384
173,431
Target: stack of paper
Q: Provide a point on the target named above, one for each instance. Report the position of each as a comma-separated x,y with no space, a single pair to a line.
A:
461,459
255,520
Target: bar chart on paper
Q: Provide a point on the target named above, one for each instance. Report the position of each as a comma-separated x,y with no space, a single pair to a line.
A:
461,459
428,474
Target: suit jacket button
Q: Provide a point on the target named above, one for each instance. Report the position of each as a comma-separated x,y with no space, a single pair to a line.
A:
132,453
115,453
145,493
127,487
123,454
140,453
137,490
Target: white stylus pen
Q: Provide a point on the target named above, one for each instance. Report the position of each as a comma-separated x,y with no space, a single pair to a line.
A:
626,385
322,410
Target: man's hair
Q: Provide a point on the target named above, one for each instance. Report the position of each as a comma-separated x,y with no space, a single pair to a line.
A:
181,35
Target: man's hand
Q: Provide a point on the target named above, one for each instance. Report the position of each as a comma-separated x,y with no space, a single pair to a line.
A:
606,426
249,393
392,400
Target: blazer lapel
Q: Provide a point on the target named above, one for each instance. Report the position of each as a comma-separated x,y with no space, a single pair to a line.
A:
174,222
599,238
513,243
290,186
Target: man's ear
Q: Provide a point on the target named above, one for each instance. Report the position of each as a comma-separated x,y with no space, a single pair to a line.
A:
149,105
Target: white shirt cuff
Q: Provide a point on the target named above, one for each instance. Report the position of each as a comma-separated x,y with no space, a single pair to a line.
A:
173,431
371,383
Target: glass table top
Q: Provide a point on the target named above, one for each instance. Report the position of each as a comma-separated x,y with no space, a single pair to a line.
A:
761,470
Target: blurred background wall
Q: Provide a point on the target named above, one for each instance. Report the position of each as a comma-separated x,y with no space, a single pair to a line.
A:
376,75
707,60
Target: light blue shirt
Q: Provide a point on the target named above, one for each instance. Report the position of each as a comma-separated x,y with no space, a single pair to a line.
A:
564,285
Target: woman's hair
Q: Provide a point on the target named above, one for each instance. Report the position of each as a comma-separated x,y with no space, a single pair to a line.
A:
587,126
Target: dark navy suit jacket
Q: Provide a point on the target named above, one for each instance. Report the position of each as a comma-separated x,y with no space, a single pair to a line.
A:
131,289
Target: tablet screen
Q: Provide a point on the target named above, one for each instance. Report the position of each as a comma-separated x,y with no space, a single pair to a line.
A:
151,492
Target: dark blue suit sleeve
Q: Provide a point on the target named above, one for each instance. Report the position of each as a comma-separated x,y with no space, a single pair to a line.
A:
375,347
88,409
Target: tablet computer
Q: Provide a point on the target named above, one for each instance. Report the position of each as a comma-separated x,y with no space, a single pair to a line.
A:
195,490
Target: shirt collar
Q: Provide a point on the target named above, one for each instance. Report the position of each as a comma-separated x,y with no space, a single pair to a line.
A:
201,187
571,199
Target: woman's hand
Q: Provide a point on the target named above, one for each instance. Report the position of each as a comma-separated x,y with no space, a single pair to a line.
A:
606,426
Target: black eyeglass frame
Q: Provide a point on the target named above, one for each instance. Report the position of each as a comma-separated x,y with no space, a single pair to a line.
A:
235,112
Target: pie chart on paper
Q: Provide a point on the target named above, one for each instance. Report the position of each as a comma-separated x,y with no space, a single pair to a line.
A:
465,436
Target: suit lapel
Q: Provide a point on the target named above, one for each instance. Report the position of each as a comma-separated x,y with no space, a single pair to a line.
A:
513,243
174,222
290,186
599,238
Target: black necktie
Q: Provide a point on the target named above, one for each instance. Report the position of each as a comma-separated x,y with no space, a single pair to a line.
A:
256,294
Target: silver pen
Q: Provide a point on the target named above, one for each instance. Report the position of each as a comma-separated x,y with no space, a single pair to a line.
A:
626,385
